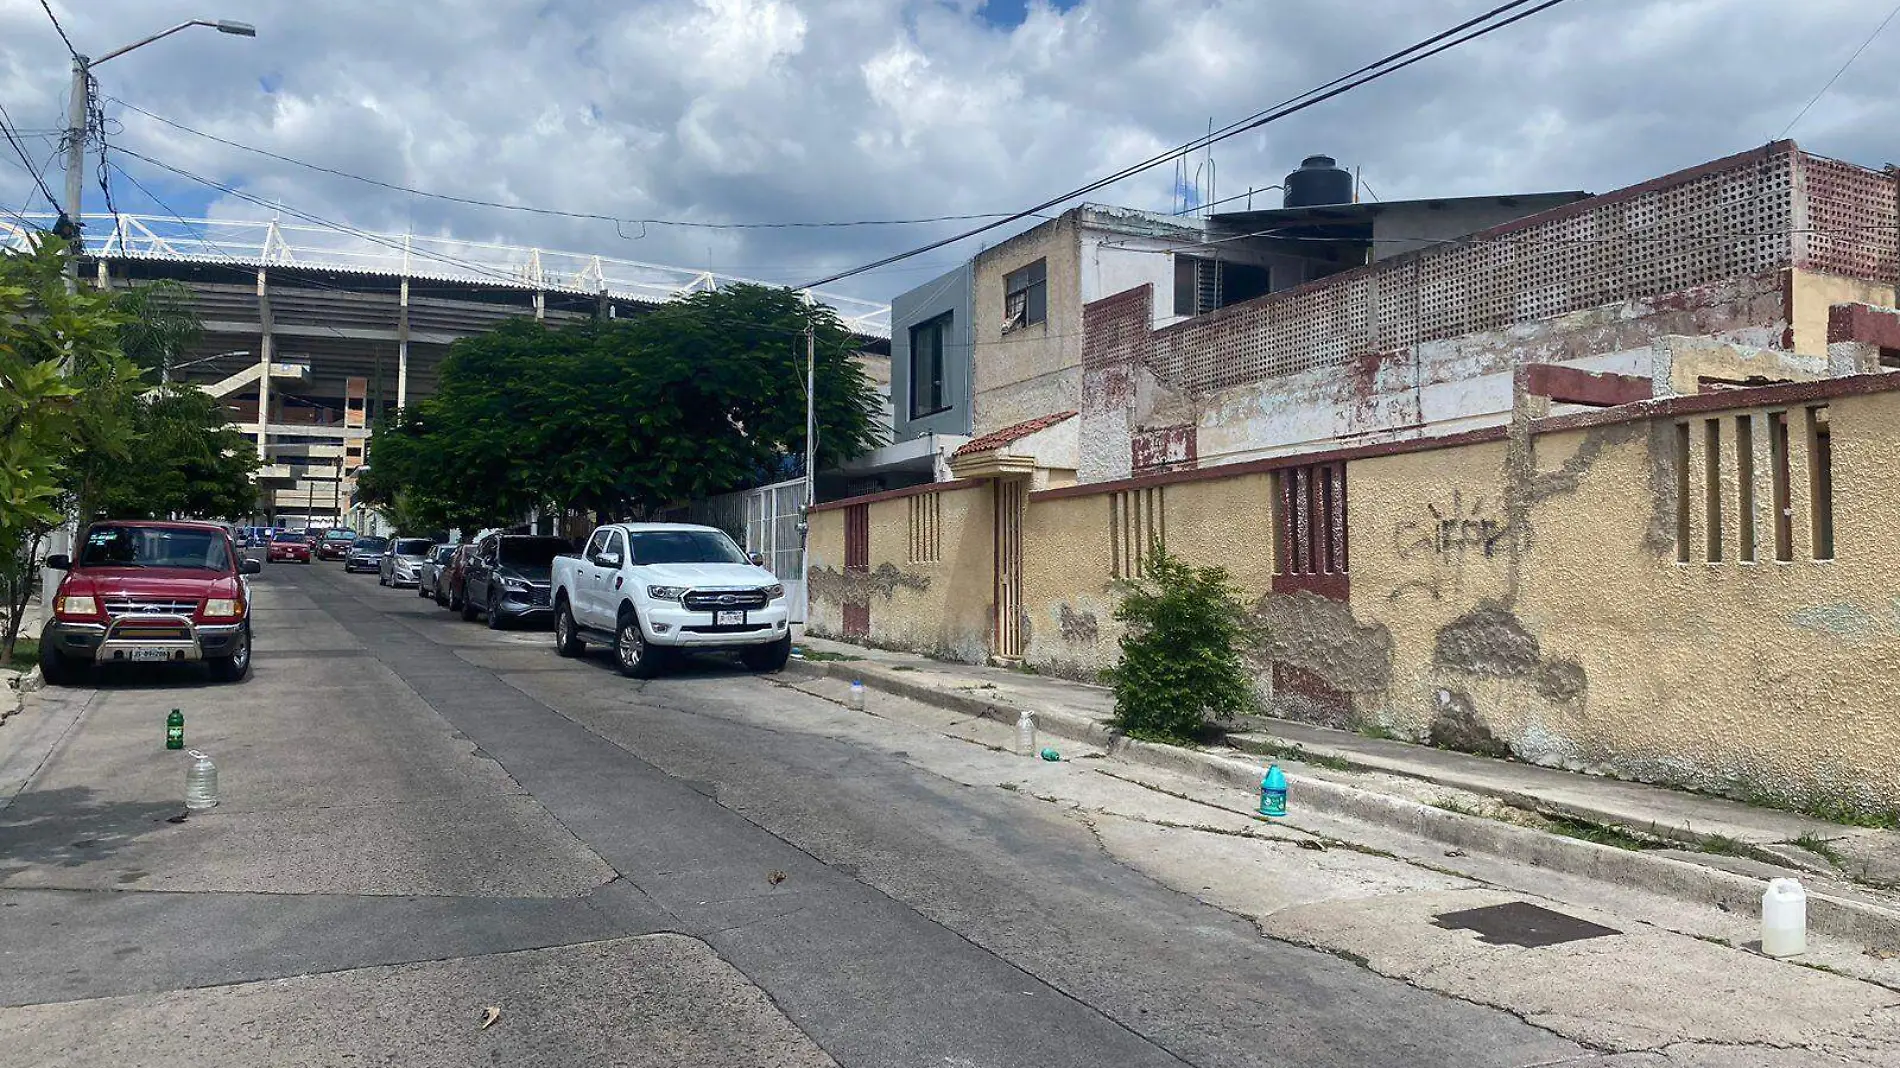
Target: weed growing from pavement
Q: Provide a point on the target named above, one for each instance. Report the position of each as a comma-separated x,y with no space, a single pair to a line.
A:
1298,754
1820,847
26,653
1381,732
1723,845
819,656
1181,659
1600,833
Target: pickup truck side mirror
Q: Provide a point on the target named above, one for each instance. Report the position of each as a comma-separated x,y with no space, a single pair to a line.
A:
607,559
251,567
60,562
757,558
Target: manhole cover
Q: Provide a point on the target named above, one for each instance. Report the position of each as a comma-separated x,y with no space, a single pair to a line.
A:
1520,923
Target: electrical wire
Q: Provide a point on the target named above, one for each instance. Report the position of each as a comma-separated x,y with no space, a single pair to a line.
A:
1837,74
6,128
1373,71
551,212
48,8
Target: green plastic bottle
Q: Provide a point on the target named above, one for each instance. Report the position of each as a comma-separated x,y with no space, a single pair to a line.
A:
175,730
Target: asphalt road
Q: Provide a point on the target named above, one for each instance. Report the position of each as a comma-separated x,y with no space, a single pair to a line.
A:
423,820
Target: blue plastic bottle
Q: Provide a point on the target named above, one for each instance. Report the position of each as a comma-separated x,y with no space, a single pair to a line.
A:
1273,792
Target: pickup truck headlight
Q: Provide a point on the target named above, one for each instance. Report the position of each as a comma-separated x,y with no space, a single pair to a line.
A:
666,593
773,592
221,608
76,605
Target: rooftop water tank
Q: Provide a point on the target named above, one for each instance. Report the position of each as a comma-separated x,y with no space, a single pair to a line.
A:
1318,181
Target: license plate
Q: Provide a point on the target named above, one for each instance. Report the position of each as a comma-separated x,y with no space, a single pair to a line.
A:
724,619
152,653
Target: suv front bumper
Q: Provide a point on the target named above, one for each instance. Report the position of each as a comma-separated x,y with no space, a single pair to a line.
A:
155,639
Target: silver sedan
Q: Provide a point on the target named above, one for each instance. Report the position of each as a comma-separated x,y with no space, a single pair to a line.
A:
431,570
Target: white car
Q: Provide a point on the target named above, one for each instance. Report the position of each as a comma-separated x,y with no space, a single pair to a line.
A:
649,590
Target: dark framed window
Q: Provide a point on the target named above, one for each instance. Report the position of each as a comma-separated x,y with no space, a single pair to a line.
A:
1026,296
1203,284
927,395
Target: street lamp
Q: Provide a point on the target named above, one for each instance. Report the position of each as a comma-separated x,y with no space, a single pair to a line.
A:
81,107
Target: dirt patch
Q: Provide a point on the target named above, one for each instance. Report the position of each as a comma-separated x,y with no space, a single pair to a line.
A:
857,587
1456,725
1488,640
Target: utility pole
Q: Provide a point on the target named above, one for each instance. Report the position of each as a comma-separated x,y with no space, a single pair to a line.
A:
77,110
811,416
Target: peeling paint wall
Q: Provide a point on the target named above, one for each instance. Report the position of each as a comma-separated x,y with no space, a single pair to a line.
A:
940,607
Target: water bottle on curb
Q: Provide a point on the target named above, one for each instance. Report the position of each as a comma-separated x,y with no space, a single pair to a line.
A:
856,701
1784,919
201,783
1025,733
1273,792
175,730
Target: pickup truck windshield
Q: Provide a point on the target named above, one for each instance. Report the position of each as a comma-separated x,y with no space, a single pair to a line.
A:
532,552
684,547
155,547
413,546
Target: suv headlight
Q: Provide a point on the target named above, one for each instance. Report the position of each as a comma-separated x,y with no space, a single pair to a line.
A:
773,592
514,585
666,593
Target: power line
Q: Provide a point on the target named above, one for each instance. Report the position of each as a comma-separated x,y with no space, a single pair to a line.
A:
1837,74
48,8
552,212
1345,83
6,128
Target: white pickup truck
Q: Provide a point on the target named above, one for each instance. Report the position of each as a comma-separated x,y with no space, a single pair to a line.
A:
651,589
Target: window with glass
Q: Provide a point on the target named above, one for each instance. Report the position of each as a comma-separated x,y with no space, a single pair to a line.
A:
684,547
156,547
927,394
1026,296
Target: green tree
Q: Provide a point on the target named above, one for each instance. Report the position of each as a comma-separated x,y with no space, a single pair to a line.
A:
625,416
1181,657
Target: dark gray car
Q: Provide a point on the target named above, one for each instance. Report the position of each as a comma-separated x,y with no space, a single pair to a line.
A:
365,554
401,564
429,573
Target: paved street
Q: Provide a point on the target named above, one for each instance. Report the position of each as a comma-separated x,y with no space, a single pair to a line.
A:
424,819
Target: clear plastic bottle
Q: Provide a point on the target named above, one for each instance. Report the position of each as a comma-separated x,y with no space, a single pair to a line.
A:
1026,733
201,783
856,701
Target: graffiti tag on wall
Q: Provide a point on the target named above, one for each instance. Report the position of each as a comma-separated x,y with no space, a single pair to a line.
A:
1453,532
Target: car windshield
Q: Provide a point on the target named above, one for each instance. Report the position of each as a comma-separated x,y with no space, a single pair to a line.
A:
532,552
442,553
155,547
369,545
340,535
685,547
413,546
289,536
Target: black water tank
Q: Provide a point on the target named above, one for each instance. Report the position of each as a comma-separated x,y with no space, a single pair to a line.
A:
1318,181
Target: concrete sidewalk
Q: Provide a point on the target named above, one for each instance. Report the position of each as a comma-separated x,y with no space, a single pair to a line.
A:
1686,845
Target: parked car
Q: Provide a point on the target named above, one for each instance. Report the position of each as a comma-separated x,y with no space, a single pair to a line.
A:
402,562
334,544
651,590
507,577
429,573
452,577
364,554
150,592
290,546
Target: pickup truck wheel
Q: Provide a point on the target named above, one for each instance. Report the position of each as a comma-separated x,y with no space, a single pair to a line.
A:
567,639
636,658
767,658
56,667
237,666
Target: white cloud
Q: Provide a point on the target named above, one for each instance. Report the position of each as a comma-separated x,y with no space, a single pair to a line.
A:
756,110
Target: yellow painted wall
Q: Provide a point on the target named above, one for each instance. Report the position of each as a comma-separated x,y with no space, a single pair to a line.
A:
1814,294
939,607
1067,597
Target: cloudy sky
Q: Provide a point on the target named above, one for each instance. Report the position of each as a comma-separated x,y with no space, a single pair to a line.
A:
736,111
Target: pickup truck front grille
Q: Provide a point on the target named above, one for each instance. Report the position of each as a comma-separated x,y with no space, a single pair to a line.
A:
724,600
135,606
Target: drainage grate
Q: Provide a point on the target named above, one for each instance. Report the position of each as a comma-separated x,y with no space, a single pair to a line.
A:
1520,923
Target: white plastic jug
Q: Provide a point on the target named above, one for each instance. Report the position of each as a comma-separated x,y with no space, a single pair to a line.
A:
1784,918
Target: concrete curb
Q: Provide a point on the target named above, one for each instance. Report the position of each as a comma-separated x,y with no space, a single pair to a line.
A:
16,691
1866,923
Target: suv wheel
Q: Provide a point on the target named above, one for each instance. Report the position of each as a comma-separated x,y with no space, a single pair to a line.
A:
636,658
567,639
771,657
495,621
237,666
469,611
56,667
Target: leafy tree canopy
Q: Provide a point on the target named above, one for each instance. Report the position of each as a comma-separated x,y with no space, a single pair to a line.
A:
621,417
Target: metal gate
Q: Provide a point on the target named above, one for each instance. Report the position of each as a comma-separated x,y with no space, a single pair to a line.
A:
1011,498
771,527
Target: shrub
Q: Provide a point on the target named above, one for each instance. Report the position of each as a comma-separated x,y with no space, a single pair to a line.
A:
1181,657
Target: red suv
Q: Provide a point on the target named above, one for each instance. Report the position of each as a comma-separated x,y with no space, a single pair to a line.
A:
150,592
